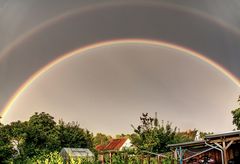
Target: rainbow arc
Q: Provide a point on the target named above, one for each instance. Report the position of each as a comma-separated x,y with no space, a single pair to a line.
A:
41,71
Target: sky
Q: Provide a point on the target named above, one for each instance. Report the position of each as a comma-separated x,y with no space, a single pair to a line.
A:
107,88
34,33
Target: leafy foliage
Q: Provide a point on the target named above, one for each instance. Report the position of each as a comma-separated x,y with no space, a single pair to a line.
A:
54,158
38,139
101,139
71,135
152,136
236,116
6,147
39,136
51,158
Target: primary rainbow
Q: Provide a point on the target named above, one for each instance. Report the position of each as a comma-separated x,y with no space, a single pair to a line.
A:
37,74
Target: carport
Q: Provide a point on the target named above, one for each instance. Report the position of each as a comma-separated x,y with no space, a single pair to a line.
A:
222,148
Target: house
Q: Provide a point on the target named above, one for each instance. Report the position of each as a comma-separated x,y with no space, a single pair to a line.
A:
221,148
100,148
75,153
114,146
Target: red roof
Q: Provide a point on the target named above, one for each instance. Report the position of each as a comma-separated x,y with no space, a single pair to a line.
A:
115,144
100,147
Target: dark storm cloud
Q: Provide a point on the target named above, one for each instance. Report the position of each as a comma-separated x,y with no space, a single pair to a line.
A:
129,19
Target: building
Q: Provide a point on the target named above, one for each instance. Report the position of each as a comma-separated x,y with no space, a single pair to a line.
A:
221,148
75,153
114,146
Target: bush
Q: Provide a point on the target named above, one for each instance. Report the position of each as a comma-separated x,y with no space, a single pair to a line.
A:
53,158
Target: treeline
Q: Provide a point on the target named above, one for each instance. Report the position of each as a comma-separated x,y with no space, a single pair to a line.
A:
40,135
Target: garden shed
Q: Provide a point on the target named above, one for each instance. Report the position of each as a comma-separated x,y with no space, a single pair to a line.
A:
75,153
114,146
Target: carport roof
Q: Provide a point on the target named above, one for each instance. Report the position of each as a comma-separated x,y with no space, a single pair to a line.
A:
225,134
229,134
188,144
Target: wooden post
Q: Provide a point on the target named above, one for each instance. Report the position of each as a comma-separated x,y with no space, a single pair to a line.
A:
126,156
149,159
142,159
160,159
110,157
225,147
102,158
224,151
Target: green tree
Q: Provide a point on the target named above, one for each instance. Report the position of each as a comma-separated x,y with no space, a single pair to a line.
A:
71,135
17,133
152,136
101,139
236,116
123,136
39,136
42,135
6,147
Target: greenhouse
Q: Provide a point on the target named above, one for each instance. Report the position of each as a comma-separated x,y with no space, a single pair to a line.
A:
75,153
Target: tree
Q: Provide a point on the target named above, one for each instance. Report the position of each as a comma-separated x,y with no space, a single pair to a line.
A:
6,147
71,135
1,125
38,136
184,136
123,136
101,139
17,133
41,135
152,136
236,116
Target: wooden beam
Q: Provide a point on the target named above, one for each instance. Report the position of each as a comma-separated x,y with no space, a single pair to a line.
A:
198,154
229,144
225,139
218,145
224,144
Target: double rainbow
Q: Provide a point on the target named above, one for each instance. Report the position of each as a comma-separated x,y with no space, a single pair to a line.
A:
40,72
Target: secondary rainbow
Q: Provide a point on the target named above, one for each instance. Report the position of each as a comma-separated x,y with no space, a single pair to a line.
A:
40,72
